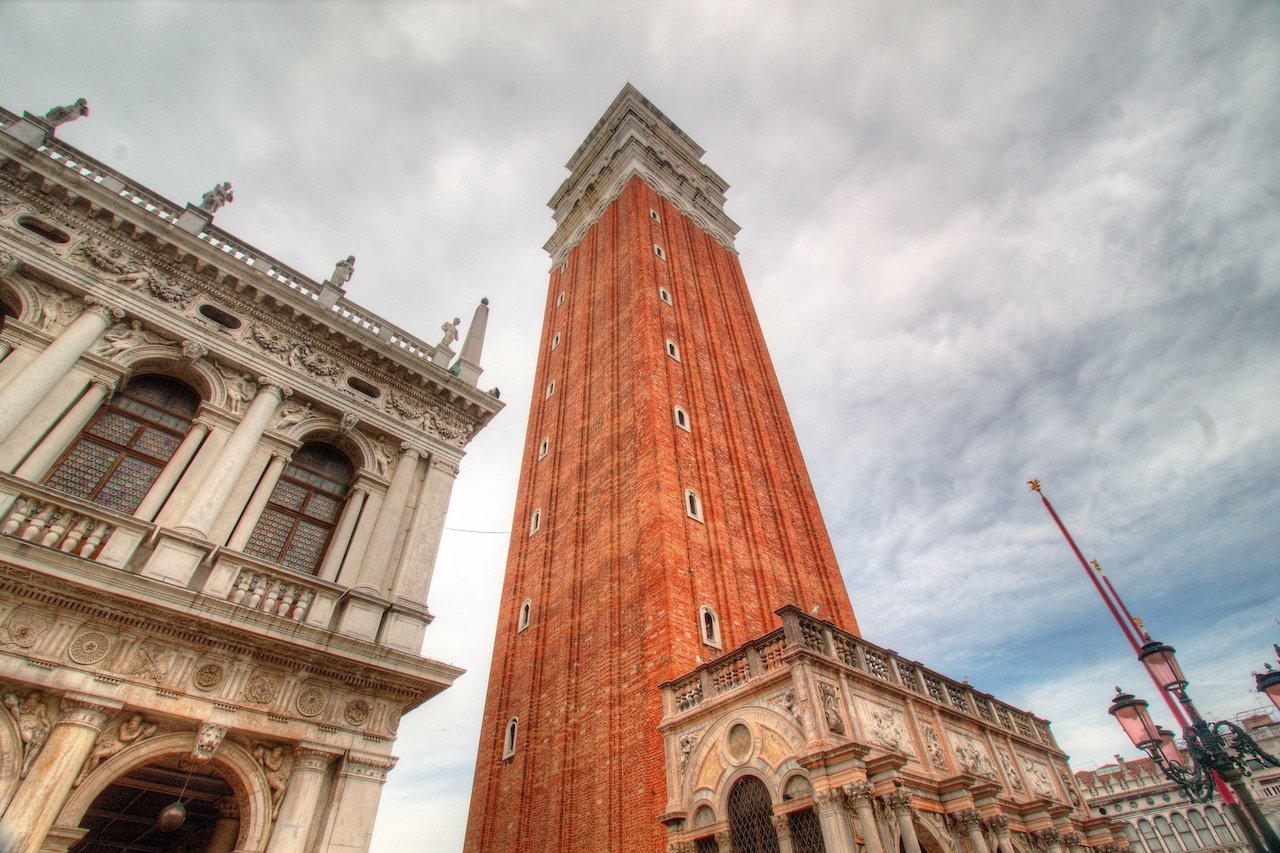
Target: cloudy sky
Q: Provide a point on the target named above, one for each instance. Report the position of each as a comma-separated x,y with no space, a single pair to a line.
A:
986,241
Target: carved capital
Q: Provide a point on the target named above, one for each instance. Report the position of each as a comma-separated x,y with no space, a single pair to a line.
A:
829,799
444,466
265,384
968,819
85,712
782,826
1045,837
93,305
999,824
370,767
305,758
900,801
859,792
1072,840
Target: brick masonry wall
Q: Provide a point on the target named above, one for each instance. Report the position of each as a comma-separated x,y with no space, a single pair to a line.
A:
617,572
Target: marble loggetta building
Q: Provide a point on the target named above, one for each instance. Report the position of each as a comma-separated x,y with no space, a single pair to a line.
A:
677,664
222,488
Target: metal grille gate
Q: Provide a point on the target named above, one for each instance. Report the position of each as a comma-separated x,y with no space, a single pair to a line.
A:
806,832
751,817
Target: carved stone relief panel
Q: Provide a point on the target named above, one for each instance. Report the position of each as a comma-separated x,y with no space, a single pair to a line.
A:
1038,776
1011,773
887,727
971,754
933,746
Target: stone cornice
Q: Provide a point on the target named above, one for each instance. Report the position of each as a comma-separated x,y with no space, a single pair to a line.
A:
635,139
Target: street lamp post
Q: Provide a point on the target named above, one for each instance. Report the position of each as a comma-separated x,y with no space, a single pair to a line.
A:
1268,681
1219,749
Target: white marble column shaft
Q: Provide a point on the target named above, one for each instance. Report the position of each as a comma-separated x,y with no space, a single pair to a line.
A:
373,568
38,377
341,539
173,470
257,502
417,563
37,464
45,789
301,803
221,480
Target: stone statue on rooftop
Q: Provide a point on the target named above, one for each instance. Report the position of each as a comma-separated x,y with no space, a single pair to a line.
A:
342,271
450,329
71,112
217,197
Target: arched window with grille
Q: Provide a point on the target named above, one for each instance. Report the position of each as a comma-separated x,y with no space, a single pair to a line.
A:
1149,836
1220,826
1201,828
1184,831
122,451
751,817
298,521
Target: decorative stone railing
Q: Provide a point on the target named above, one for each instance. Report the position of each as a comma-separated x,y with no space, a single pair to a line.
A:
160,207
49,519
266,588
801,633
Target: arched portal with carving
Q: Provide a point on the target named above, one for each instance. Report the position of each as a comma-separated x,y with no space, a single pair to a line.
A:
10,759
157,762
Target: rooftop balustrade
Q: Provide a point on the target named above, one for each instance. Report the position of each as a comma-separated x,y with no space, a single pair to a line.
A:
801,634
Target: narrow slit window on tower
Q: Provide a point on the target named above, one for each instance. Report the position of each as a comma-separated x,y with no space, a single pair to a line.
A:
509,738
692,505
665,295
709,622
535,521
526,610
555,340
681,418
542,448
551,387
560,299
657,250
673,350
653,214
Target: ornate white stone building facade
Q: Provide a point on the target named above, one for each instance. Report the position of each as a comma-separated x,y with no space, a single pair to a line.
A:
222,489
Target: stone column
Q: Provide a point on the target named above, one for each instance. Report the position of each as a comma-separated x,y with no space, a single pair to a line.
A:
900,802
64,432
1048,839
999,824
413,577
837,830
342,533
860,794
47,784
782,828
355,801
970,823
373,569
13,363
226,831
38,377
43,418
257,502
354,558
301,802
173,470
217,485
724,841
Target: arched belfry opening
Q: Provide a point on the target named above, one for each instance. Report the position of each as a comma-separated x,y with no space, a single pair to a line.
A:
751,817
129,814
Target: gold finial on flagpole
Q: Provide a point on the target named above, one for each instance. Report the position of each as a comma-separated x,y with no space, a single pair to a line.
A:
1097,568
1034,484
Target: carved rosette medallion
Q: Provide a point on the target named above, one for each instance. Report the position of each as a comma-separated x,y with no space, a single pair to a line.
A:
89,647
209,676
262,688
357,712
23,628
310,701
393,719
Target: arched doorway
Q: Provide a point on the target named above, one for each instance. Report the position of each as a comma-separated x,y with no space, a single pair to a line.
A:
124,816
751,817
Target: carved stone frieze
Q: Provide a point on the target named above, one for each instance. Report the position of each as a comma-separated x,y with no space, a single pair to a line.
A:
209,676
688,741
150,661
105,257
162,287
1038,774
56,309
831,708
1011,771
122,337
262,688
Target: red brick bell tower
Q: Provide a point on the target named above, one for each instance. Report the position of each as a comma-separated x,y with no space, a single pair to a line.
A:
664,510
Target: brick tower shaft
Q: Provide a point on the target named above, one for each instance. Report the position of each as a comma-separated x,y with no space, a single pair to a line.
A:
664,511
